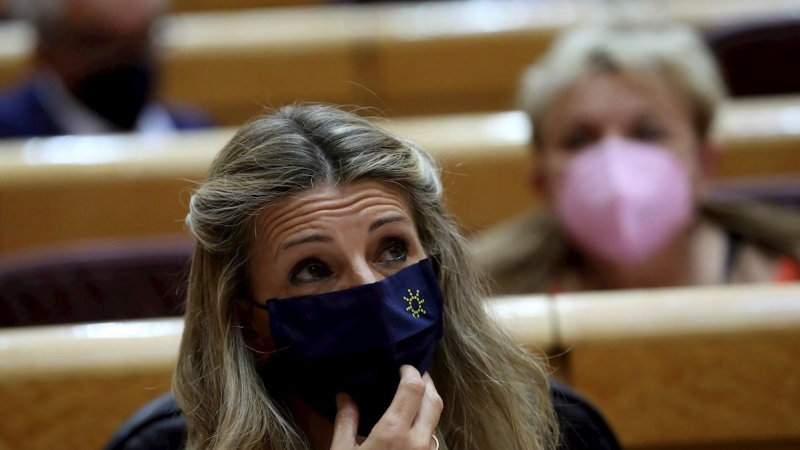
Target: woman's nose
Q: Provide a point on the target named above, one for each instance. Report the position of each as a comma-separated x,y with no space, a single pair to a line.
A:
361,272
612,134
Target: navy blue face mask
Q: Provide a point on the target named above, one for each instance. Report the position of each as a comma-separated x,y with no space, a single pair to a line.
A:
355,341
118,93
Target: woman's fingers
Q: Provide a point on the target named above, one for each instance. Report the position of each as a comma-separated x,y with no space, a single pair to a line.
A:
407,400
345,425
430,409
411,419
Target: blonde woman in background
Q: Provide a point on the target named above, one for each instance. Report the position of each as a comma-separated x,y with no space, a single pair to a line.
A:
332,304
621,119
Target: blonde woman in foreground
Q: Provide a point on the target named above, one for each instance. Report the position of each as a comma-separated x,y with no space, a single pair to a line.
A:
332,305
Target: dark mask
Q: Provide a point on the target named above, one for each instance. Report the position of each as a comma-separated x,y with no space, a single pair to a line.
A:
355,341
118,93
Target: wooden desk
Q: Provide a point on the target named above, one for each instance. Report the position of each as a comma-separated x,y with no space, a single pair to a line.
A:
71,387
449,57
72,188
689,368
16,46
458,57
235,64
676,368
68,188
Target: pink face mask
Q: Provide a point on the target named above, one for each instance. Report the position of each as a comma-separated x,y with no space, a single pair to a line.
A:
624,200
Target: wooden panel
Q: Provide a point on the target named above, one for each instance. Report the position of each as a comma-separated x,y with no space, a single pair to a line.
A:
776,156
683,367
236,87
447,57
685,392
657,363
73,413
234,64
69,188
108,349
484,161
529,320
470,74
759,137
71,387
405,59
609,316
37,214
469,56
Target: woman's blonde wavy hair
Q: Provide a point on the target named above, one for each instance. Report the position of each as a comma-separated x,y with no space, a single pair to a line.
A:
495,394
673,51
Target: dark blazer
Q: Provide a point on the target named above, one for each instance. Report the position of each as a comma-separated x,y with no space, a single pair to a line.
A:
22,115
161,426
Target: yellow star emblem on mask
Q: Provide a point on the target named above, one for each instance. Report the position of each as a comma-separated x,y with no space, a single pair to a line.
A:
415,303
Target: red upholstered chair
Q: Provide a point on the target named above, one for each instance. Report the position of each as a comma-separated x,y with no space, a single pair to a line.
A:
93,282
759,57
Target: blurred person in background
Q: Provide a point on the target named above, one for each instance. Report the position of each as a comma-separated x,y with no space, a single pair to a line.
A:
621,121
96,69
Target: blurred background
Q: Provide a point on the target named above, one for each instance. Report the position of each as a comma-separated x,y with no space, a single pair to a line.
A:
112,110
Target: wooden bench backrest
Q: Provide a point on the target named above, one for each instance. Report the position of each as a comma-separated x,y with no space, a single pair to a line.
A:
451,57
70,188
677,368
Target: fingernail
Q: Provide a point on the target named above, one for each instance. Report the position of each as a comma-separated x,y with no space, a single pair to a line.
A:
339,400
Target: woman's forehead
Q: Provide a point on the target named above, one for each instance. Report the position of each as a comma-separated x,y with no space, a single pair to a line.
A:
331,197
326,203
608,96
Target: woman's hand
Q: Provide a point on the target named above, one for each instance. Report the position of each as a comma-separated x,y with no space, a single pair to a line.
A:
408,424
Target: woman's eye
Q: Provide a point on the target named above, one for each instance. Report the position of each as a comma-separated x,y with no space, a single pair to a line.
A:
648,133
309,271
578,140
395,251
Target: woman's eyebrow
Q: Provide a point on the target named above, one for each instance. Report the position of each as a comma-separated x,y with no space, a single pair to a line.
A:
386,220
306,240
